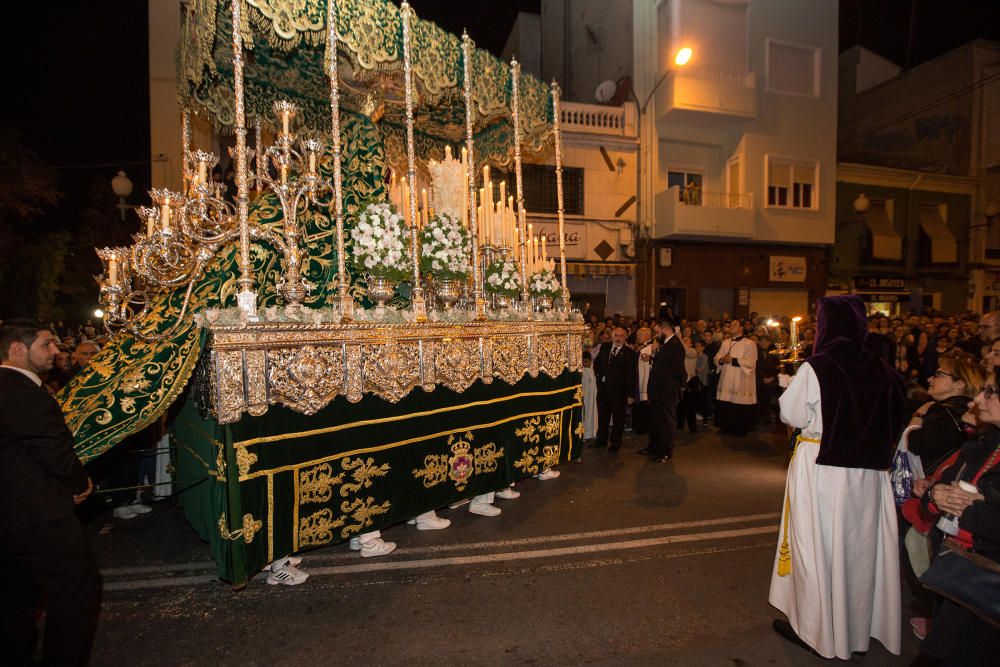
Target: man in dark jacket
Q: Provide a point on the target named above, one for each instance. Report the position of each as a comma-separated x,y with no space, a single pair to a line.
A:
41,479
666,377
616,368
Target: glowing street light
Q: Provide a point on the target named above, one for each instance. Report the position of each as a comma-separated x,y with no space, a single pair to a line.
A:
683,56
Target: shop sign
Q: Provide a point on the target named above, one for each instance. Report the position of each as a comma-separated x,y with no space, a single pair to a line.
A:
876,284
788,269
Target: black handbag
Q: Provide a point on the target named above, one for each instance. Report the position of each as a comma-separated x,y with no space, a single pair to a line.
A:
967,579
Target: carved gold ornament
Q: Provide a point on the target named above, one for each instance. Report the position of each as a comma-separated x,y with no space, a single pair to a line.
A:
306,366
529,432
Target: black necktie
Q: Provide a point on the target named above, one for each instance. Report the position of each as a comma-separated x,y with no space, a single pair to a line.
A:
614,352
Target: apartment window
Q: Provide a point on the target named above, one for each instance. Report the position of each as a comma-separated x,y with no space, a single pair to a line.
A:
690,185
539,181
792,68
792,183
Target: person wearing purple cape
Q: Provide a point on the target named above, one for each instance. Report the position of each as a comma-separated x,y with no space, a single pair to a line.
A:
836,570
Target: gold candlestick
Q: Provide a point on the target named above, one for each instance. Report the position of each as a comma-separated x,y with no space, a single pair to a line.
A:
557,139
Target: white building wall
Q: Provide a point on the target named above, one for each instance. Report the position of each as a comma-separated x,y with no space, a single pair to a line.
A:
780,124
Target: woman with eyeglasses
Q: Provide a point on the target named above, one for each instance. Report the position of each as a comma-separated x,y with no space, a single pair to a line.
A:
936,430
957,634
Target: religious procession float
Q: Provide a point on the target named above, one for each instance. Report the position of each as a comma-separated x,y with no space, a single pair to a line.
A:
371,331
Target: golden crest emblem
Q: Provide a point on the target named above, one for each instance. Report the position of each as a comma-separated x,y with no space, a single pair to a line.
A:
461,465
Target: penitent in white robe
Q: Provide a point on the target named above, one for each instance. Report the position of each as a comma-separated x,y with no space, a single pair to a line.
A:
737,384
589,404
844,582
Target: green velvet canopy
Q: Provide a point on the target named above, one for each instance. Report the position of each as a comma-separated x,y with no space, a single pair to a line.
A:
288,56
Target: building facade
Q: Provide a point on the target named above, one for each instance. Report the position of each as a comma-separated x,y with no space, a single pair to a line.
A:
737,155
923,146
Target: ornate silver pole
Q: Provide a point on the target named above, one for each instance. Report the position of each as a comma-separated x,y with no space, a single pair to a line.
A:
259,156
345,302
515,104
557,137
417,295
470,176
247,298
186,149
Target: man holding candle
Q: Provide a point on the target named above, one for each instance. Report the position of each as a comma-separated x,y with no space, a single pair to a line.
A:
836,573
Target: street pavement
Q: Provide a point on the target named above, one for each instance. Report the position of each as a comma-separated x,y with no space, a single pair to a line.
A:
619,561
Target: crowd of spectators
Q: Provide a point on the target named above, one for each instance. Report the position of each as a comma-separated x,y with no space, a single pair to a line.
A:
949,366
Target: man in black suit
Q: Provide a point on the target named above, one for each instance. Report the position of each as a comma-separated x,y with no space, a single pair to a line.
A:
41,542
667,376
615,367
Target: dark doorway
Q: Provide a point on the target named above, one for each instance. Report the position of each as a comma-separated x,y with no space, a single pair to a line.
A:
675,299
596,301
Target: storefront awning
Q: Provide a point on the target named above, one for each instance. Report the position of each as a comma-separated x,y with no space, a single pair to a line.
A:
599,269
886,242
944,247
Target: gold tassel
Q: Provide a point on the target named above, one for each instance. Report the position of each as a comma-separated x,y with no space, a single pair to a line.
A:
785,552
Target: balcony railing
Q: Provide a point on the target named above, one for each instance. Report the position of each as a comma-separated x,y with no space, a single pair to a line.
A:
704,214
695,197
618,121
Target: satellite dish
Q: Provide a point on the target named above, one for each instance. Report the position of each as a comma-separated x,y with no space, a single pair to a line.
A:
605,91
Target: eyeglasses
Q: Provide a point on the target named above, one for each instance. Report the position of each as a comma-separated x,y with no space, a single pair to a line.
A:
989,391
940,373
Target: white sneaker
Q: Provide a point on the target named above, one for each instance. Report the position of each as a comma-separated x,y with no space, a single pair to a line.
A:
139,508
484,509
355,544
455,506
434,523
377,547
509,494
124,512
547,474
287,560
287,575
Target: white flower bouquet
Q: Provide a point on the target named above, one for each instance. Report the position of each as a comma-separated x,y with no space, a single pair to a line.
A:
380,245
544,283
503,277
444,248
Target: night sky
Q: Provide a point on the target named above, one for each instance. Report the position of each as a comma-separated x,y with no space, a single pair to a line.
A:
76,75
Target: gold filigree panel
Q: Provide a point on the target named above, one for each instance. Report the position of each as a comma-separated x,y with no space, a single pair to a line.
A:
551,354
306,379
510,358
391,370
457,363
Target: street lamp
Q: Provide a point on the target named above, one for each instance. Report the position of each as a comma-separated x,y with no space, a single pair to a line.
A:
683,56
122,186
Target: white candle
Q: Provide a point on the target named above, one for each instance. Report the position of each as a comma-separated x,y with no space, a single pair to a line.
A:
795,331
165,215
113,269
312,162
544,256
284,121
150,227
534,254
202,172
423,197
447,152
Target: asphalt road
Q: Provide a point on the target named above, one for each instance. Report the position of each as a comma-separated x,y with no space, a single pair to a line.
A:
619,561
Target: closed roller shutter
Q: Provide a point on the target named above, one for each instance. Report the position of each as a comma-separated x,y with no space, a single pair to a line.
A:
779,302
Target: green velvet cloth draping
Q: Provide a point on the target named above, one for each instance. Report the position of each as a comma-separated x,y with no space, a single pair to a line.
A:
286,482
